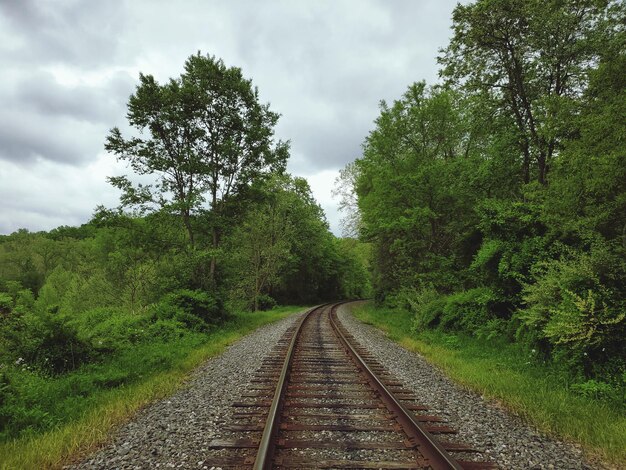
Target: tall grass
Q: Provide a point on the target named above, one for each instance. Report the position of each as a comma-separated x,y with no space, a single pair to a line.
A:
93,416
505,373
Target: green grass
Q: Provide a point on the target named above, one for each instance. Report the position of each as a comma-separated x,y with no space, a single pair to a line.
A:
82,407
505,373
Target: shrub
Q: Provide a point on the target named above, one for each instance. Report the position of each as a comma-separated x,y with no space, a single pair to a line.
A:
16,302
265,302
472,311
111,329
595,389
45,341
575,309
429,314
166,330
425,303
468,310
194,308
6,304
495,328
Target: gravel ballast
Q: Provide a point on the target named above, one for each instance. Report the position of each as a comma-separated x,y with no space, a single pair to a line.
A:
503,438
175,432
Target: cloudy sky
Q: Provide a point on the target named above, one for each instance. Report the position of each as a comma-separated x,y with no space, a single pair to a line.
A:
67,68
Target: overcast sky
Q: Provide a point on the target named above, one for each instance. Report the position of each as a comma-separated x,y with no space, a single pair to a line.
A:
67,68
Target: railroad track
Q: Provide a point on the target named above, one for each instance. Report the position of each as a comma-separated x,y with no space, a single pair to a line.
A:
321,401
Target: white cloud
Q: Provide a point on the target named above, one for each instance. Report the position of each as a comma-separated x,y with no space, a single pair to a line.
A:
322,184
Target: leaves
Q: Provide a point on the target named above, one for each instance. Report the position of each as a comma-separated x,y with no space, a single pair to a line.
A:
203,136
503,190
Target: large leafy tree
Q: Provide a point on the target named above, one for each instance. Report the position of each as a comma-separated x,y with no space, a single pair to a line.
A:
234,135
529,59
204,136
164,148
413,187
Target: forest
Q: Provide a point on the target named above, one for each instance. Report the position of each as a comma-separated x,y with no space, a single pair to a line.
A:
490,205
210,225
495,199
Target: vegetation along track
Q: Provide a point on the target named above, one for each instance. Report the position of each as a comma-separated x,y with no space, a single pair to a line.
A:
321,401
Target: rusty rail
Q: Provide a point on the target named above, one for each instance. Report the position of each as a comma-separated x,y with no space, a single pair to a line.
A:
265,453
319,360
428,446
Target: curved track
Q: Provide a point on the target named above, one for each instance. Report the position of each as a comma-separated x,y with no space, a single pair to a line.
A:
320,401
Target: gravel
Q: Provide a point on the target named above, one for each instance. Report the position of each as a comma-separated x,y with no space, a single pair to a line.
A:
503,438
174,433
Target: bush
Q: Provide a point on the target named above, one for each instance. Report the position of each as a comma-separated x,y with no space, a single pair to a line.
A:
468,310
472,311
111,329
6,304
595,389
166,330
196,309
45,341
575,310
425,303
264,302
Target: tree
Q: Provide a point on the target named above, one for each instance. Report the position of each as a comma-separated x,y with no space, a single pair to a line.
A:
414,188
208,138
265,248
235,134
348,202
531,59
167,152
261,249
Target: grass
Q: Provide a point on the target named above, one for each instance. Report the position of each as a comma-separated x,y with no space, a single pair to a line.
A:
89,415
505,373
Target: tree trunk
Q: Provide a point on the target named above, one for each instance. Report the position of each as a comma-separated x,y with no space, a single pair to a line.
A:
187,222
214,237
214,245
542,167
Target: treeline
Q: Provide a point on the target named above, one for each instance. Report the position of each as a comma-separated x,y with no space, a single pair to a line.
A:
278,252
216,227
495,200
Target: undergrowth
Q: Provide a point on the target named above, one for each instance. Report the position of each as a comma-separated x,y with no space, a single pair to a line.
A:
73,413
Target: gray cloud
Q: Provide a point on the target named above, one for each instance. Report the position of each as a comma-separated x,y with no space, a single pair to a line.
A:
43,120
41,94
68,67
80,33
27,138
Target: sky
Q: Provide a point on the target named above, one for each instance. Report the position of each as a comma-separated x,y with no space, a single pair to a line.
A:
67,68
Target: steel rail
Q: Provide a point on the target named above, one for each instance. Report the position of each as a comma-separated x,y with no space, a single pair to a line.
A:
265,453
438,457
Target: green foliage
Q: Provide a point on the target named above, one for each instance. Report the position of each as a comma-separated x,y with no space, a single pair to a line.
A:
196,309
282,248
108,329
166,330
411,188
495,203
44,341
595,389
470,310
264,302
573,308
6,304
